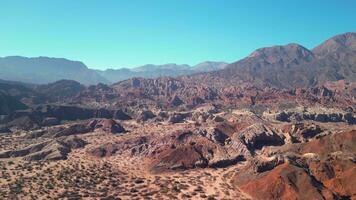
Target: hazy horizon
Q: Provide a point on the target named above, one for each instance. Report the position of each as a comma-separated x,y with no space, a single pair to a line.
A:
117,68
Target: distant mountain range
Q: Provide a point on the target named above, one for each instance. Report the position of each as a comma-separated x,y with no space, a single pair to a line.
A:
154,71
43,70
286,66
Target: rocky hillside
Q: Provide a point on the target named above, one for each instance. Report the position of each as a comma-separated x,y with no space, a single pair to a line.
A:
9,104
291,65
337,56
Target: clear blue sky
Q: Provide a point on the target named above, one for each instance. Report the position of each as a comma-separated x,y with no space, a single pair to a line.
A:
130,33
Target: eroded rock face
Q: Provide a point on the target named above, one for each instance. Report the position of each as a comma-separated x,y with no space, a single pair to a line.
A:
178,117
49,115
302,132
214,134
180,150
134,147
257,136
67,112
217,146
50,121
49,150
337,116
201,117
107,125
187,150
319,169
285,182
73,129
260,164
336,173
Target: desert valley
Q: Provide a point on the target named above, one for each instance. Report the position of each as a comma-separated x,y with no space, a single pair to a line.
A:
278,124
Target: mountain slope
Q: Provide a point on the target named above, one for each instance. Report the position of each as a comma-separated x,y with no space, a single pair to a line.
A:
337,56
209,66
290,66
42,70
343,43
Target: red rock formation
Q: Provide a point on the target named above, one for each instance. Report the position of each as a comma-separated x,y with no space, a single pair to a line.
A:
326,170
285,182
